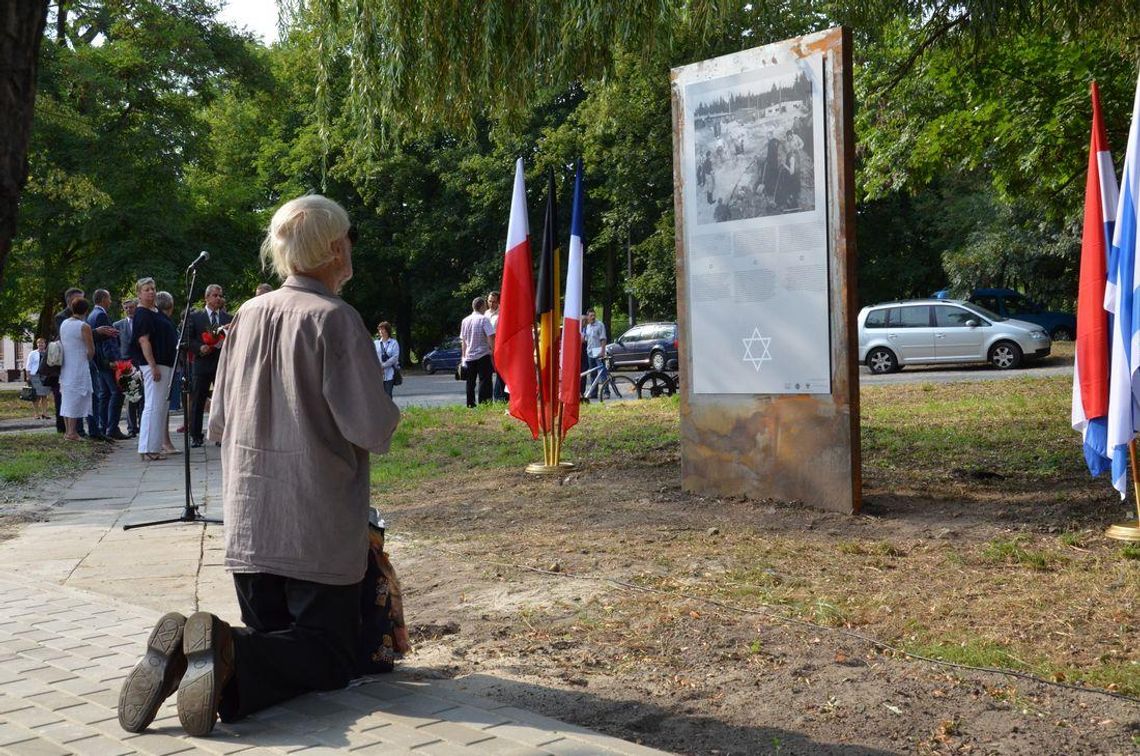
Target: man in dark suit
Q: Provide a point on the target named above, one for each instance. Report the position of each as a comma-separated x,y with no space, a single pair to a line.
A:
126,330
108,404
207,320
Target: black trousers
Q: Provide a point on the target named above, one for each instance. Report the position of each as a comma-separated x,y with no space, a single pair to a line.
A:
481,369
199,393
299,637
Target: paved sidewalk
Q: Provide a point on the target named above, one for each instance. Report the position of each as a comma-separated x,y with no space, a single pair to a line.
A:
79,595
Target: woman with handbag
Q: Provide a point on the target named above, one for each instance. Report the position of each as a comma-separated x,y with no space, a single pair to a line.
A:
388,350
32,368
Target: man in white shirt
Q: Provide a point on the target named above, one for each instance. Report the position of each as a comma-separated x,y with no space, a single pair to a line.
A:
594,341
499,391
477,337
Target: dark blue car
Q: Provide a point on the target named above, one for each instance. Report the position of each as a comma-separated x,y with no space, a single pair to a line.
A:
443,357
1061,326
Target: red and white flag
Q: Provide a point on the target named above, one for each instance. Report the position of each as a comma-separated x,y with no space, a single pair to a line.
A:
572,314
1091,366
514,334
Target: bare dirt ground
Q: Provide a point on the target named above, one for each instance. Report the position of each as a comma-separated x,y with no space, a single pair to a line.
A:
612,599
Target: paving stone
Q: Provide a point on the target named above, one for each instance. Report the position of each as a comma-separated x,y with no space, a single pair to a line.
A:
343,739
314,706
402,736
34,716
523,734
382,749
159,744
56,700
11,733
100,745
455,733
65,732
473,717
39,747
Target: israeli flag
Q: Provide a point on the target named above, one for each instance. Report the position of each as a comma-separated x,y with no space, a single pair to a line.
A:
1122,299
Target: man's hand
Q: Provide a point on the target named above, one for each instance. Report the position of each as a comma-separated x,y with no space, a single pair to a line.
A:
205,349
107,331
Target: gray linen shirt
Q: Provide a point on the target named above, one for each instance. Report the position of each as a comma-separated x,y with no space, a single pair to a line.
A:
297,407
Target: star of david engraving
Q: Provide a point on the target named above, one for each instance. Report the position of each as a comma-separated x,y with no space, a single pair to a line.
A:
750,343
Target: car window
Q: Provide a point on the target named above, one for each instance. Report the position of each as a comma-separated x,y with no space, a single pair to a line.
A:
664,333
948,316
910,317
989,315
990,303
1015,306
634,334
876,319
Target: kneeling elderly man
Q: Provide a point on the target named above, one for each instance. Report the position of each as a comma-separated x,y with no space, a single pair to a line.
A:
297,411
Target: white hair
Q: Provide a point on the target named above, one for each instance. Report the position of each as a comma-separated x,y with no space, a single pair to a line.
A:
143,282
301,234
164,301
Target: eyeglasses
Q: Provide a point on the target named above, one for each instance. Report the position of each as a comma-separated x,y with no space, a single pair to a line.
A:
352,234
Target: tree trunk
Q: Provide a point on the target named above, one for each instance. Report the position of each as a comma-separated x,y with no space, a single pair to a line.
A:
20,36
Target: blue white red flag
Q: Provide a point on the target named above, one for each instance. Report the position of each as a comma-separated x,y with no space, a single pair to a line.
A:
1090,368
1122,299
572,312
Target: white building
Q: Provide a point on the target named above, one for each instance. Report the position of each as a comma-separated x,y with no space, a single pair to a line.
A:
12,355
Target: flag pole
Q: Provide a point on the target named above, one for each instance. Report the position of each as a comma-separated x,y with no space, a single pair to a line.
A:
544,467
1129,531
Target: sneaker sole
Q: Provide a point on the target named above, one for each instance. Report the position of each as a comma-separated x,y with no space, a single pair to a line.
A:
200,690
148,684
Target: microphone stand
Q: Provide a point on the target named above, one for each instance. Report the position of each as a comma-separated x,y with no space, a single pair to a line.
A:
190,511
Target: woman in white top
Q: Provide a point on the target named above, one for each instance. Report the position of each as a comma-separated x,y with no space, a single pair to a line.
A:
32,376
75,378
389,353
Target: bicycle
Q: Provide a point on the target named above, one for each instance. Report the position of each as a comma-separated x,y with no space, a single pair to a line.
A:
603,386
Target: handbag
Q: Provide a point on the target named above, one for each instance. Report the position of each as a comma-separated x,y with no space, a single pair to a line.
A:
397,376
54,357
27,394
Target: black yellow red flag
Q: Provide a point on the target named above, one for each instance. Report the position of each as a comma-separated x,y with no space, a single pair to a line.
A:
547,310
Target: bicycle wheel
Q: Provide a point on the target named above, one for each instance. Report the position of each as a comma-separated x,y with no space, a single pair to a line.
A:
622,387
654,384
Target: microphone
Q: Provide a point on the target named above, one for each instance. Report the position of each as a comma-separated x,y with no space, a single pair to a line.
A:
201,259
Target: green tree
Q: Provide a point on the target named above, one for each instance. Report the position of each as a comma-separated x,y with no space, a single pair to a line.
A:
116,132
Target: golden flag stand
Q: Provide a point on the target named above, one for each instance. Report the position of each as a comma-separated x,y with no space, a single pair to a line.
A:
1129,531
552,463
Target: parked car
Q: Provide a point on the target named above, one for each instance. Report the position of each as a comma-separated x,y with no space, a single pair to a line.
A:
443,357
648,345
932,331
1061,326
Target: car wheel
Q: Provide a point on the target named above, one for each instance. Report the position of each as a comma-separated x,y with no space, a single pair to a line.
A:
1005,355
1061,333
882,361
429,368
657,361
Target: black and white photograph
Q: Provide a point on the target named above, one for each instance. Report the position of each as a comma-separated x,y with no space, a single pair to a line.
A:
754,148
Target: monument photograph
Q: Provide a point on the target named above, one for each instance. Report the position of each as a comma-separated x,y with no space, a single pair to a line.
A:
754,148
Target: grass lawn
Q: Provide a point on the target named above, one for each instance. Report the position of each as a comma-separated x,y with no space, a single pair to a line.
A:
982,539
11,408
25,457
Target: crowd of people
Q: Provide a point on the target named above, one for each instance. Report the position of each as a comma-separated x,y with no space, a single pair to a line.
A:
98,364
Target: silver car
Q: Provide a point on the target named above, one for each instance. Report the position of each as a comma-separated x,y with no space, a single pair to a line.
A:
933,331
